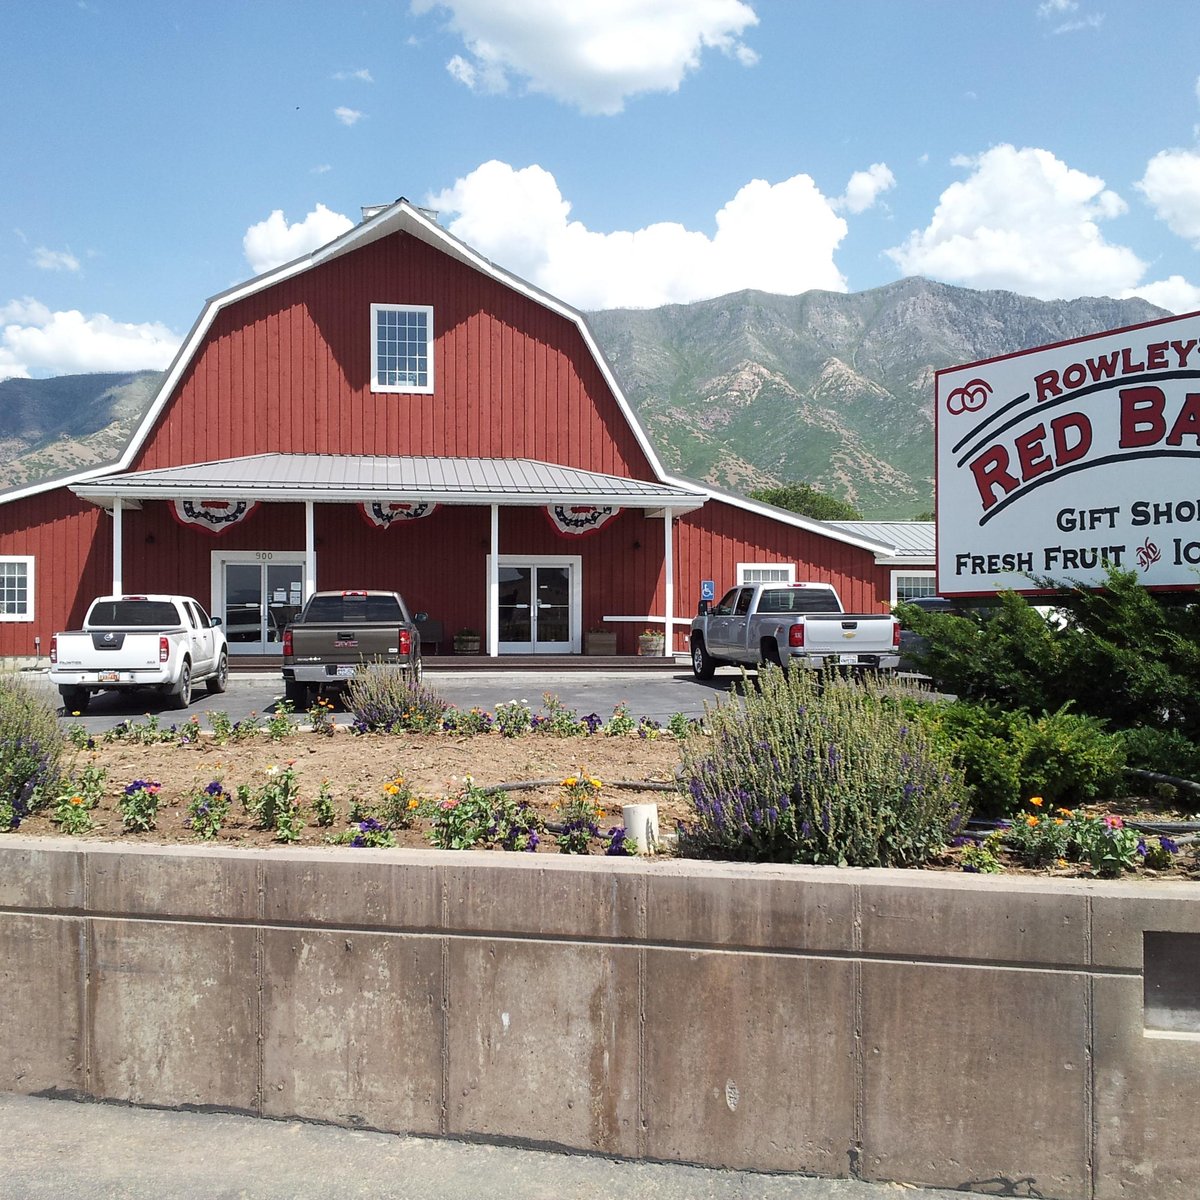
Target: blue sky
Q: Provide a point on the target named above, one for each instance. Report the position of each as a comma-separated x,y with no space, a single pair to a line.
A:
615,152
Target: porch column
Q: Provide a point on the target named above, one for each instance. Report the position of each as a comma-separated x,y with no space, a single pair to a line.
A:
493,587
118,584
310,551
669,564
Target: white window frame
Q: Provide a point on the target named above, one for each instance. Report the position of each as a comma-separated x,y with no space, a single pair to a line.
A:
788,572
402,388
30,596
912,574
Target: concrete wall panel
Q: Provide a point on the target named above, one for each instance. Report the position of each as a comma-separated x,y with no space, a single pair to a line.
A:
40,873
543,1042
174,1014
749,1061
41,999
976,1076
1147,1101
352,1029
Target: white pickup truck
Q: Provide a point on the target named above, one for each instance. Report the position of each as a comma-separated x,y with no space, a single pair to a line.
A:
168,643
790,625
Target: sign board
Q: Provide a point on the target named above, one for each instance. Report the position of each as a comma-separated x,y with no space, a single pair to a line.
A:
1057,461
708,589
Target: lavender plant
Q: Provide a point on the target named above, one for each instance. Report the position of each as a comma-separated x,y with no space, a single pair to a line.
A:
386,699
807,770
30,750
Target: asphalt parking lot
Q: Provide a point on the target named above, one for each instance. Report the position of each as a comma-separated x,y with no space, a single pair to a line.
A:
657,693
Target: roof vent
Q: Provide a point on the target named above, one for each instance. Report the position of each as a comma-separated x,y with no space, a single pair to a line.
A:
373,210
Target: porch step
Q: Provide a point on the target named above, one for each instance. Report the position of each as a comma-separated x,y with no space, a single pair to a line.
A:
477,663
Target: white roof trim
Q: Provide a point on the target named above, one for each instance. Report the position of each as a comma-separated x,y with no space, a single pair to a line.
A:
402,216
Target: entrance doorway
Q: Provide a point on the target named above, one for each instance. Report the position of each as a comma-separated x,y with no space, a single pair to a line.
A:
256,593
539,605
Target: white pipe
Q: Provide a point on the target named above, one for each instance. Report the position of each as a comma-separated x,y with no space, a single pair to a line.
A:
310,551
118,550
493,587
669,606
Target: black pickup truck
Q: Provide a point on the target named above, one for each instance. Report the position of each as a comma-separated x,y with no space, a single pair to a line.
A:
337,635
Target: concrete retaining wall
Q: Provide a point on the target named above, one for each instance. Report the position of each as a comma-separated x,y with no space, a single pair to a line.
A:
956,1031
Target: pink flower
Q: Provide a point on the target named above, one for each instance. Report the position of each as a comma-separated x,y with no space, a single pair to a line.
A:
1113,823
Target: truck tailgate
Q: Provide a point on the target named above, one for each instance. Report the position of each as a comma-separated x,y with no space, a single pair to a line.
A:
108,649
333,644
848,633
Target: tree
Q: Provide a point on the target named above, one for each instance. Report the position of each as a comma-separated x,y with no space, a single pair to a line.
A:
803,499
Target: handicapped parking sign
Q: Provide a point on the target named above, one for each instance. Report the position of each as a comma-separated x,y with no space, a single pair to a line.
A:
708,589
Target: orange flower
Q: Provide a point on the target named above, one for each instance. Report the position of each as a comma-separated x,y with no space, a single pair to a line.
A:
1036,801
1031,821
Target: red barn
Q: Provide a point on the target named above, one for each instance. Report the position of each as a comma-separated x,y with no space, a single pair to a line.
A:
394,411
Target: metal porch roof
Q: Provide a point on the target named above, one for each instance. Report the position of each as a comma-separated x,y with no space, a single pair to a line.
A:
910,538
349,478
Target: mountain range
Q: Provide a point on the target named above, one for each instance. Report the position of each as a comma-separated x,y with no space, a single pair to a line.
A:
744,391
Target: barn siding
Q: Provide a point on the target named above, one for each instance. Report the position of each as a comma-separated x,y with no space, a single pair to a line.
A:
287,370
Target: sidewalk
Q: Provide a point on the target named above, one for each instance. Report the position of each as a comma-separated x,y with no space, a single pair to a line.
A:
56,1149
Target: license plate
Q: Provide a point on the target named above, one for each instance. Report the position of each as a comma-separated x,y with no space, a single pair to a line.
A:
109,676
850,659
346,671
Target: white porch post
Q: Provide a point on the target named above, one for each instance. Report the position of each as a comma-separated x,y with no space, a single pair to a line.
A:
310,551
669,564
118,584
493,587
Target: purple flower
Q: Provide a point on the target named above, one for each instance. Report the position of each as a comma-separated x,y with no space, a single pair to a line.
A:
1171,847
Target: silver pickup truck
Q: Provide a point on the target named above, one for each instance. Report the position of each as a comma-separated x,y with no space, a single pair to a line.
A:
790,625
337,635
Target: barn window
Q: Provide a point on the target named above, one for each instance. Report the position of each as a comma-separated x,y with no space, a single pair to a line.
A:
401,348
910,585
16,588
766,573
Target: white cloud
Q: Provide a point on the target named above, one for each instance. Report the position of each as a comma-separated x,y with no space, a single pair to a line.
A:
1025,221
54,260
1172,185
865,188
1174,294
347,116
592,56
776,237
34,339
362,75
274,241
1053,10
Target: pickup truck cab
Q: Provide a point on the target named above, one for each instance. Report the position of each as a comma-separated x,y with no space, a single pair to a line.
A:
338,635
790,625
168,643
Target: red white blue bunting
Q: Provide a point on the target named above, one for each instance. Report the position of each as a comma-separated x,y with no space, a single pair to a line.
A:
383,514
576,520
211,516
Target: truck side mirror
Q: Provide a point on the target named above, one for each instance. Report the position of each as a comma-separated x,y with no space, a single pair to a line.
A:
702,609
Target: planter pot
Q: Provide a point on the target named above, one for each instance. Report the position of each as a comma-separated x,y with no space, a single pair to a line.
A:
651,647
466,645
600,643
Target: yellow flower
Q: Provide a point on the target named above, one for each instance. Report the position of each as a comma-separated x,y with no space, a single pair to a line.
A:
414,803
1059,821
390,788
570,781
1036,801
595,783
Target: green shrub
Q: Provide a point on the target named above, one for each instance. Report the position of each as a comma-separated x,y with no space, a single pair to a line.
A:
805,773
1008,756
1165,751
30,752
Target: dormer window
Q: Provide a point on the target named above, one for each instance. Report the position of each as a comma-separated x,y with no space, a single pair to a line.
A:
401,348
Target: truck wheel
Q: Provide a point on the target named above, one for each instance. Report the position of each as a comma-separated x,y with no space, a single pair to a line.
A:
296,694
181,695
218,682
703,665
416,670
75,700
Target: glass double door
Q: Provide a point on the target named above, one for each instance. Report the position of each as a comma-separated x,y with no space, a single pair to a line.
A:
537,603
260,598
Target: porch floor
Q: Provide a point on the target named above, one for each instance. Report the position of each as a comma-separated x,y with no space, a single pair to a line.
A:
476,663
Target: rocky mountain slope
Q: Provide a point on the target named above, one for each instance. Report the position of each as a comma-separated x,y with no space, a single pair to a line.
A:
744,391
